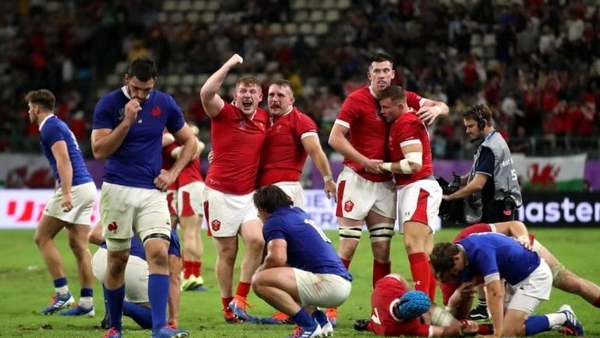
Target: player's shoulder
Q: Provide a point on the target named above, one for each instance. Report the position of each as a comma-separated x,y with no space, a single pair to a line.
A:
359,94
116,96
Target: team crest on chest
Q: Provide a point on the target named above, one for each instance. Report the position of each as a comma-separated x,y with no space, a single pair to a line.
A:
242,125
156,111
348,206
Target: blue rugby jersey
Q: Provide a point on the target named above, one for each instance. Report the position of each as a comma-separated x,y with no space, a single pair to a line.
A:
489,253
137,162
52,130
308,248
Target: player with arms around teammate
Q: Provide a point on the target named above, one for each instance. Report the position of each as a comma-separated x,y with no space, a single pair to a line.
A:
527,282
70,207
420,194
186,201
365,192
301,269
127,134
238,133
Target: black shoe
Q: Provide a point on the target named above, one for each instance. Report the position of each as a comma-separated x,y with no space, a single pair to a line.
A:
105,323
361,325
479,313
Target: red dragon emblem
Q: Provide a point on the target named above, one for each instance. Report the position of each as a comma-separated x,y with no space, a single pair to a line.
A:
542,178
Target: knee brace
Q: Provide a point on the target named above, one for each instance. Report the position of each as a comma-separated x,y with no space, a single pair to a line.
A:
557,272
381,232
155,233
353,233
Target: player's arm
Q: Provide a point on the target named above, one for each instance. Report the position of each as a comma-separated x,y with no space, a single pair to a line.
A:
484,169
338,140
65,171
276,254
312,145
95,234
211,101
431,109
174,288
461,300
413,158
495,301
516,229
188,140
106,141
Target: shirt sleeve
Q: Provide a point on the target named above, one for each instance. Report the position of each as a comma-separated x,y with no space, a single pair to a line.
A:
51,134
102,115
273,229
175,121
304,126
485,162
413,100
347,115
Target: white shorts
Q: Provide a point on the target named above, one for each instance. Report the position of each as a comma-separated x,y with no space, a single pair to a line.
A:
295,191
324,290
83,197
189,199
225,213
419,202
357,196
123,209
529,293
136,275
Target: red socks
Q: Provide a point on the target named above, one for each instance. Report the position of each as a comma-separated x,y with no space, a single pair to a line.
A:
420,270
243,289
380,270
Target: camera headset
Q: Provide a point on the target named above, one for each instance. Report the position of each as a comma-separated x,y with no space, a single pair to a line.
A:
480,119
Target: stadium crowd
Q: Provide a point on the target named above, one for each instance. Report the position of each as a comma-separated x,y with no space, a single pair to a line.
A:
535,63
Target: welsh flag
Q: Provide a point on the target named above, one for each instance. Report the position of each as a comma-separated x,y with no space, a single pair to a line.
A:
563,173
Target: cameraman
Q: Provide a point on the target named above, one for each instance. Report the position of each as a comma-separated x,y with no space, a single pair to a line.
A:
491,186
492,177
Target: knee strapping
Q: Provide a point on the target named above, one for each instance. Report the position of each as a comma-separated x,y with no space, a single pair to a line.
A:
557,272
350,233
381,232
118,244
440,317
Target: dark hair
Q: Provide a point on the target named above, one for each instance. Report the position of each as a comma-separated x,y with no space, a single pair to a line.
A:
479,113
270,198
381,57
396,93
143,67
43,98
442,257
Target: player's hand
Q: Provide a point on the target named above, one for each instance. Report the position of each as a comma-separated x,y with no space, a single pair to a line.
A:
164,179
372,166
468,326
428,114
234,60
132,108
66,203
524,241
330,190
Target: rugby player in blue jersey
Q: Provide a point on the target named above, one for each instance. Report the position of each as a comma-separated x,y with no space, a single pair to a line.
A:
137,306
301,269
127,133
70,207
527,282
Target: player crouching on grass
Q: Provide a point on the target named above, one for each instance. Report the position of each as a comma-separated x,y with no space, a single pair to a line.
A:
398,310
301,269
137,304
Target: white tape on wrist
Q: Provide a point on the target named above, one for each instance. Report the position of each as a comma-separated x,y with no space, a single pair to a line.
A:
387,166
405,167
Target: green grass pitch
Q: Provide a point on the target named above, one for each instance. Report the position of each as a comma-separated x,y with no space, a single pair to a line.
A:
25,287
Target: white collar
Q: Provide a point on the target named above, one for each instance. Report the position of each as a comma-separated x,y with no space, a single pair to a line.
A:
44,121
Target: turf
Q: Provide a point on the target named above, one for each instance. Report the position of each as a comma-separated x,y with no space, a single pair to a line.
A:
25,287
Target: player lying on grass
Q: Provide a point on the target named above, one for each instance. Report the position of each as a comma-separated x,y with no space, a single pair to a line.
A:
517,280
137,305
562,278
397,310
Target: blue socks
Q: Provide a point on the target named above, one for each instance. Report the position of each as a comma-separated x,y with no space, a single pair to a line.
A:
158,294
536,324
302,318
115,299
140,314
